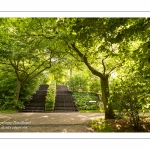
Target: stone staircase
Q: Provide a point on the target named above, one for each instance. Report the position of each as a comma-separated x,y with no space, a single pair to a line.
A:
64,100
37,103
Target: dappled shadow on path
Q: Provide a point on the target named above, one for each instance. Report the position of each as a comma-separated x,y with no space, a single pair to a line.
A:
47,122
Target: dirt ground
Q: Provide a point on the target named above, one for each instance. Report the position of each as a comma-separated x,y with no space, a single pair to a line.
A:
124,125
47,122
61,122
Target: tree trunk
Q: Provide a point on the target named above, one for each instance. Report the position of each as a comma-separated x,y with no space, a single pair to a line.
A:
109,113
17,92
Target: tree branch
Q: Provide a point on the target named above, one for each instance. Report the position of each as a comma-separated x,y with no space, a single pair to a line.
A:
72,54
116,67
16,69
40,66
104,63
85,60
42,35
104,68
30,78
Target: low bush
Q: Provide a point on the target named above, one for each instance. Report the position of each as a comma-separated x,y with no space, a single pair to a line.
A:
82,100
12,105
50,96
99,125
7,89
130,97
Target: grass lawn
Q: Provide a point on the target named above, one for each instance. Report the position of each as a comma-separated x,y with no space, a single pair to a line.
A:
8,111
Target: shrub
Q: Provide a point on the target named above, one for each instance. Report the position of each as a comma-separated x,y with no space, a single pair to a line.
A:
8,87
12,105
84,82
82,100
50,97
129,97
99,125
78,82
29,88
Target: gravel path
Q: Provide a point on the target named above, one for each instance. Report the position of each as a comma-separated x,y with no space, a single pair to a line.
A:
47,122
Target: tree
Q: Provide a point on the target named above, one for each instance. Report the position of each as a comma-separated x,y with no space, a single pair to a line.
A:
102,44
130,93
25,55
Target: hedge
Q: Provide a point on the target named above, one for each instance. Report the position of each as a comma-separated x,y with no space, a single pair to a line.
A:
50,96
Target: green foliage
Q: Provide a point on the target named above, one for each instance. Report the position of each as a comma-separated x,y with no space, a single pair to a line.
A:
23,53
12,105
85,82
78,82
29,88
94,85
82,100
29,46
8,111
130,96
99,125
7,89
50,96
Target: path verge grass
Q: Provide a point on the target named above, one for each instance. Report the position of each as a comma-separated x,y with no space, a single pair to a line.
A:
9,111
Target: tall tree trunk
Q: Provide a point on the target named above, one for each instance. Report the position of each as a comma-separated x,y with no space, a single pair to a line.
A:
109,113
17,92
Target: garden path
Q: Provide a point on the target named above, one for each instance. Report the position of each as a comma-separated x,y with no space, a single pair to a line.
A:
47,122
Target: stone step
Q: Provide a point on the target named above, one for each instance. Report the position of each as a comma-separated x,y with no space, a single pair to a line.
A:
64,111
43,87
26,110
35,104
65,104
64,100
39,94
64,108
37,101
35,108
